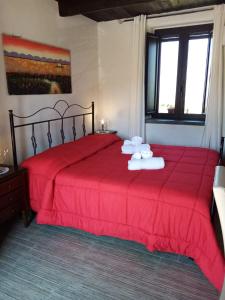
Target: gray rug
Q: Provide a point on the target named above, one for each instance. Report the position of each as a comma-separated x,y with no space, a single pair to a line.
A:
44,262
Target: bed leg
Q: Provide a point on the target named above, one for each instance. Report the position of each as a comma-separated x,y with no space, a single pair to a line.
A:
27,217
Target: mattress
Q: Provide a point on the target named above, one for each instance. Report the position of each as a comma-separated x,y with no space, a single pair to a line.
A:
86,185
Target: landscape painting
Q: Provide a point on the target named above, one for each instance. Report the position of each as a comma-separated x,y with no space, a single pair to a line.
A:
34,68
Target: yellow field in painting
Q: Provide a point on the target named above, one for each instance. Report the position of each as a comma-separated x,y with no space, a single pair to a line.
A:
21,65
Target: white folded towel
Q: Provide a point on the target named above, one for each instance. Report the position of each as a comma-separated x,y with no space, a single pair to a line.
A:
136,140
136,155
153,163
127,142
146,154
131,149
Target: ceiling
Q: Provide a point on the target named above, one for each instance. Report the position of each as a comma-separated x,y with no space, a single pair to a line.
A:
106,10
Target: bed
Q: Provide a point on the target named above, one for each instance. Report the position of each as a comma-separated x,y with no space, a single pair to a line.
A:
86,185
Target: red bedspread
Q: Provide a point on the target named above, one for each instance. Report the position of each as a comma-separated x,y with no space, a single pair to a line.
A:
86,185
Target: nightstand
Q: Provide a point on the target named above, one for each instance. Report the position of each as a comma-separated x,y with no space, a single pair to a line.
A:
105,131
14,195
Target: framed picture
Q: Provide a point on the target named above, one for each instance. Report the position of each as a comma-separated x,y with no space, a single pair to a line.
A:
34,68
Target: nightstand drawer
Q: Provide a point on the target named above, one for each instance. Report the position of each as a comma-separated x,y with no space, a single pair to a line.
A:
11,185
10,211
10,198
14,195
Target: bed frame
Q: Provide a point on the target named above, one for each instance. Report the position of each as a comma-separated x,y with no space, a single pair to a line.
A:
62,116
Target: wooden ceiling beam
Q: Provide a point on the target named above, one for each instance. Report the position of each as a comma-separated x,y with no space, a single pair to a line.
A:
74,7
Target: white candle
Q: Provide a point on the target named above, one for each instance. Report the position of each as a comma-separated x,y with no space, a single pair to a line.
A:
102,123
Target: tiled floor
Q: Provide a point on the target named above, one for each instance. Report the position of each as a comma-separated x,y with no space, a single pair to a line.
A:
44,262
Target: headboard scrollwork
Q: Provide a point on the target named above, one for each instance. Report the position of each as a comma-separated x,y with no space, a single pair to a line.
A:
61,116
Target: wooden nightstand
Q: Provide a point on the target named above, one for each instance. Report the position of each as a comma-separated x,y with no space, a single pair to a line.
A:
14,195
105,131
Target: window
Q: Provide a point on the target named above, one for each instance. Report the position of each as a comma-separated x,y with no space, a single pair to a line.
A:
177,72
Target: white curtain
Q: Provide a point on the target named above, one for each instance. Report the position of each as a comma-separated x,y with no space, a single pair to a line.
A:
214,112
137,101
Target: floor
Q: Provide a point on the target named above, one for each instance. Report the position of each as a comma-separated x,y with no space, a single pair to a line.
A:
44,262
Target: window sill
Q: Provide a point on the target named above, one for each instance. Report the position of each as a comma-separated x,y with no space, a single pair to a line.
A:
174,122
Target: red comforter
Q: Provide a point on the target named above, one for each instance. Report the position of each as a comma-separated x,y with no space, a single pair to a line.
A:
86,185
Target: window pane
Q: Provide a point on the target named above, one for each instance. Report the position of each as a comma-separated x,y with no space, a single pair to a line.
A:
207,84
168,76
153,47
196,72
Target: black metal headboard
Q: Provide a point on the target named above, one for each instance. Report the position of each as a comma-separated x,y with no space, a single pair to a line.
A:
61,117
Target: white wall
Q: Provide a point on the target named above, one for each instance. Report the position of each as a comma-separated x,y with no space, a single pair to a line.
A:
39,21
166,134
114,74
114,77
223,128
